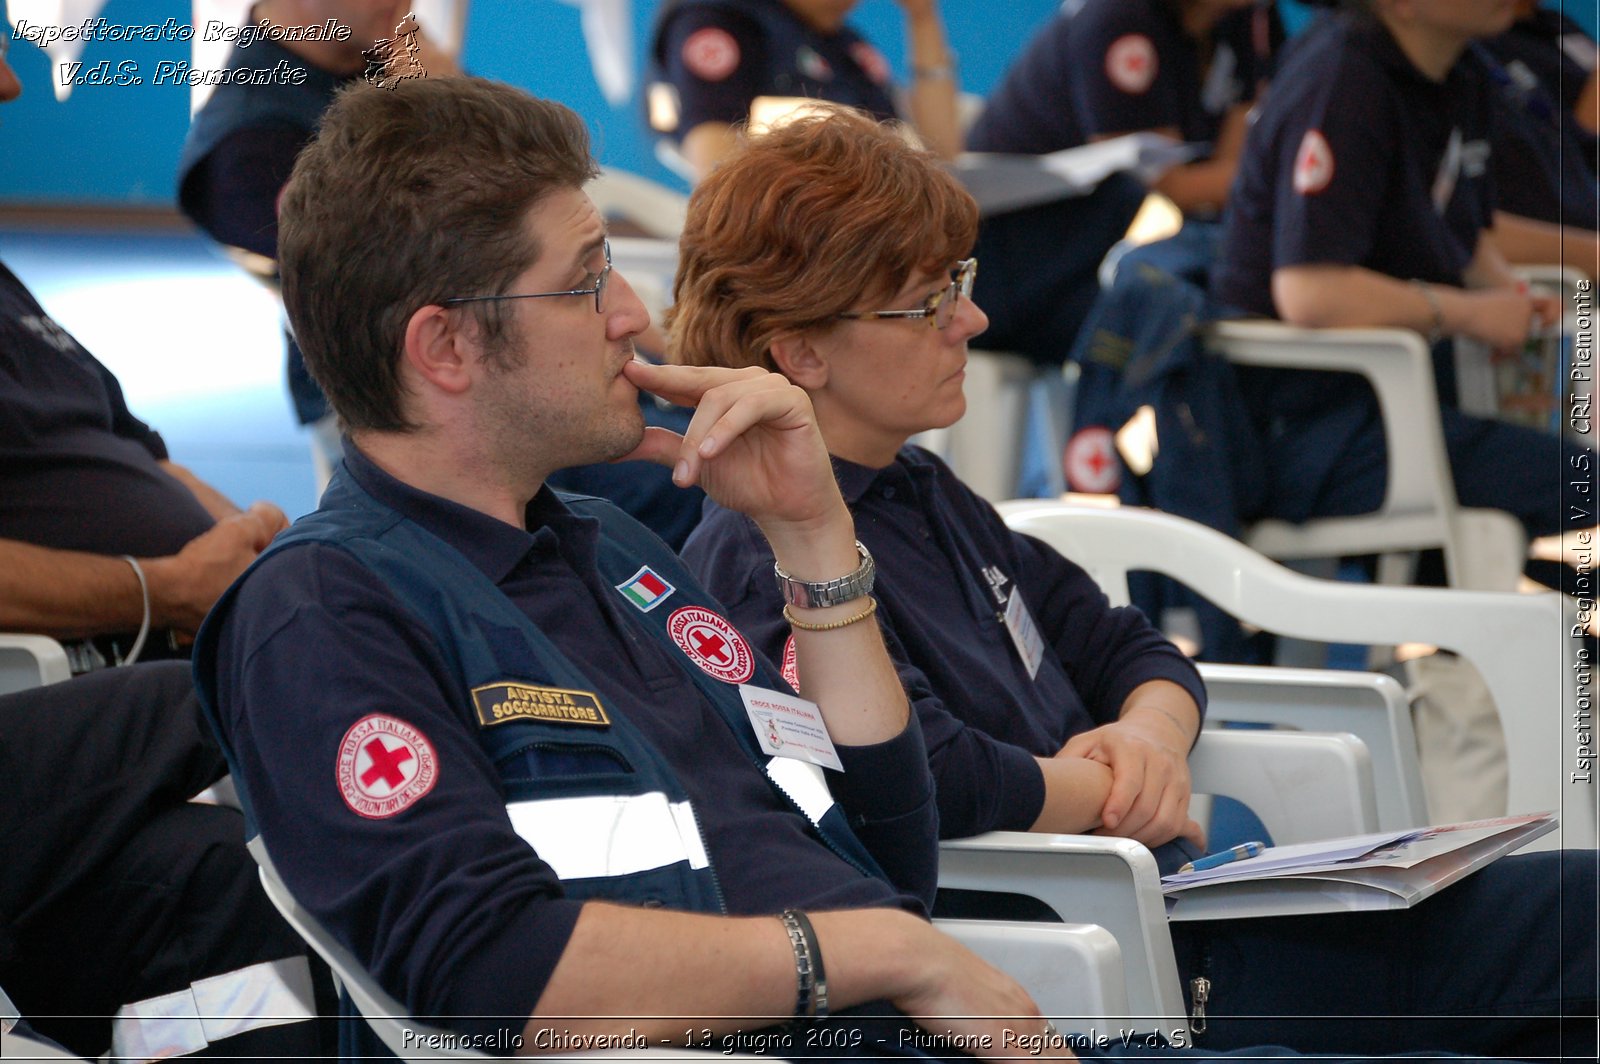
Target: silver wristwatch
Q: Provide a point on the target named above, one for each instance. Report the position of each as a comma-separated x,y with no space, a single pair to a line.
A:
808,594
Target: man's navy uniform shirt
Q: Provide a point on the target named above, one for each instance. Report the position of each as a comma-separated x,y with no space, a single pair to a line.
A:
1357,158
946,567
719,59
77,470
1121,66
451,910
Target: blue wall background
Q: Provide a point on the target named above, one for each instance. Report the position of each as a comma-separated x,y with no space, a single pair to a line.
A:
119,143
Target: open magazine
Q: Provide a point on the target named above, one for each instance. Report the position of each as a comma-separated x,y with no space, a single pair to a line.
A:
1389,870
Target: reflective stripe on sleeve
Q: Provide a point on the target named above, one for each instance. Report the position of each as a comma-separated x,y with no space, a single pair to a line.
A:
214,1008
804,783
609,835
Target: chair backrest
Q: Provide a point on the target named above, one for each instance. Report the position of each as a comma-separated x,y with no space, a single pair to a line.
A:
1369,705
1515,641
1482,549
1303,786
388,1019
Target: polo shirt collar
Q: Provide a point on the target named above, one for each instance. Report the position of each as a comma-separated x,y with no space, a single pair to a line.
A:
490,544
856,480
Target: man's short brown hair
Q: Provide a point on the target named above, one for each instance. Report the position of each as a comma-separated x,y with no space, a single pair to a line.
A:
408,196
803,223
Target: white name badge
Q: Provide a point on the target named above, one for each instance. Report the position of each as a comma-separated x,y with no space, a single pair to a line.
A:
1024,633
789,726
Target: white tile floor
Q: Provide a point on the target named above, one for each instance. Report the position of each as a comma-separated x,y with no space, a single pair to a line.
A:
195,342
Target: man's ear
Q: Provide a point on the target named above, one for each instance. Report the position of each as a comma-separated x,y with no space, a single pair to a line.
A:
441,347
800,359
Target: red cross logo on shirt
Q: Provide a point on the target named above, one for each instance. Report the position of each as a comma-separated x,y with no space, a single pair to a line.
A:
1090,462
1131,63
711,54
385,764
1313,164
712,643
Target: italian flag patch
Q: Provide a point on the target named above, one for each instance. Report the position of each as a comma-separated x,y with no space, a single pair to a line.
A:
645,589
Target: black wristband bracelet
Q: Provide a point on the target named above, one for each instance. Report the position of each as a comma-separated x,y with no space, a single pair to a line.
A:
811,983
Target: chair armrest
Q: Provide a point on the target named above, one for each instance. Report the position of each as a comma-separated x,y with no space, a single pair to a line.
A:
31,661
1368,705
1304,786
1084,878
1073,971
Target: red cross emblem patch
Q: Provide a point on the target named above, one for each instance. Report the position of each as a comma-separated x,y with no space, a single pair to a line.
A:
1091,462
791,664
712,643
385,766
1313,164
711,54
871,62
1131,63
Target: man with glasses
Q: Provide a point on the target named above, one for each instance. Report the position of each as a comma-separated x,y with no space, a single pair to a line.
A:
499,740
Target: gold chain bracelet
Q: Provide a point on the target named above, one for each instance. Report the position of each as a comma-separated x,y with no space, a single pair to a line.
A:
872,607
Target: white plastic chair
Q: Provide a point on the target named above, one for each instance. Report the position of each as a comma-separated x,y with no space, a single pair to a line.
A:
1483,549
1073,971
1371,706
1075,875
31,661
1517,642
1304,787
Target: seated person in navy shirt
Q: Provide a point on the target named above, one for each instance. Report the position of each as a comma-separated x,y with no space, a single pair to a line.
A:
513,715
85,486
1187,69
1044,708
710,59
1365,198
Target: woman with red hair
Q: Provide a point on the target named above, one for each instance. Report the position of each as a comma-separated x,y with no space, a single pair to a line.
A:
831,252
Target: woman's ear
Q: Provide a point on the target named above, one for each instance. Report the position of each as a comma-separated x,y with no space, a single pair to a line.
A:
799,358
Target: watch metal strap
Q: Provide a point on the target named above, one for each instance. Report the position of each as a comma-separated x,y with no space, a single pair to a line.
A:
809,594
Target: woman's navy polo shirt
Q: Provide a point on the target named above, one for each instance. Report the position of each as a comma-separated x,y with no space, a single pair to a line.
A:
946,565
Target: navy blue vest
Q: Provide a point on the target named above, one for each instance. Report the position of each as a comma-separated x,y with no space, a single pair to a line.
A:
489,643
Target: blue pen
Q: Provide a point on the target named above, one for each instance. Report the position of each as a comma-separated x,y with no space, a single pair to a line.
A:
1216,860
